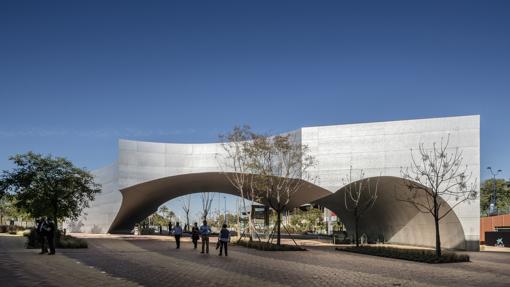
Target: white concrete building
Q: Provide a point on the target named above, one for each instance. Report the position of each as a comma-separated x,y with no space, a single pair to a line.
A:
149,174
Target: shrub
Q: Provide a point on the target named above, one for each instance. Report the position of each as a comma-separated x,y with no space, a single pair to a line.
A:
418,255
11,229
61,241
68,241
265,246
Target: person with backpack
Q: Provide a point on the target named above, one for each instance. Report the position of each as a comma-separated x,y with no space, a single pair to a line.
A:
195,235
205,231
223,239
177,235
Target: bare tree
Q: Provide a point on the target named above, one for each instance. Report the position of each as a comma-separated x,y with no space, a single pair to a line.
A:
360,196
278,165
186,204
235,165
207,199
435,176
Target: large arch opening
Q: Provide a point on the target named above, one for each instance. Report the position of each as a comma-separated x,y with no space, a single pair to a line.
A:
141,200
389,220
396,221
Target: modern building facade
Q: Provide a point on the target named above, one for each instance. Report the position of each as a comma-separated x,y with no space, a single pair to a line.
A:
147,174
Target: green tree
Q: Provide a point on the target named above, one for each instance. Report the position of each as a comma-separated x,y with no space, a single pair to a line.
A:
502,195
7,209
307,220
48,186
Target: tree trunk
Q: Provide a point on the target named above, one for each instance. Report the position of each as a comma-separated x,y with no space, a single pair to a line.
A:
356,226
278,223
187,222
438,238
436,222
55,212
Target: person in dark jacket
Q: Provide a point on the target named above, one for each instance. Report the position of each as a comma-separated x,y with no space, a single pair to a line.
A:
39,229
223,239
50,235
195,235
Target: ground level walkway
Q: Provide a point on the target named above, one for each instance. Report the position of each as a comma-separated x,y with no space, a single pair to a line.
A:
132,261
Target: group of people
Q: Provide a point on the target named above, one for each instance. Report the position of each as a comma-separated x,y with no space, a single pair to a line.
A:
45,229
203,233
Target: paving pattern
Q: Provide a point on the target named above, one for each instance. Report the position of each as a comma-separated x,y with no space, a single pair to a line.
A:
148,262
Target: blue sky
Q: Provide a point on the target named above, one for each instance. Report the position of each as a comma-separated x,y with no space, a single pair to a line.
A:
77,75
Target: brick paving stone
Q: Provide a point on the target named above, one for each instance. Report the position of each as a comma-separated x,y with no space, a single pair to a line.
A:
22,267
149,262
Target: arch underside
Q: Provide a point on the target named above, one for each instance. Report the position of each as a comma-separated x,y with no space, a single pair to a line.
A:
141,200
389,219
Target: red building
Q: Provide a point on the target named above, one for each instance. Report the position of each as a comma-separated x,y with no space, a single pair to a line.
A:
490,223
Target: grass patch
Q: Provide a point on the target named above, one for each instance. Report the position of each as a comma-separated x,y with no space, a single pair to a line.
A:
421,255
265,246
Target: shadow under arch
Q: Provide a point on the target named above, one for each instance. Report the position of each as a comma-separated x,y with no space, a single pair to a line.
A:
141,200
397,221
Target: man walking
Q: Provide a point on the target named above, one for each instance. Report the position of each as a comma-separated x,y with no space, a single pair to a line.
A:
223,239
177,235
195,235
204,233
41,234
50,235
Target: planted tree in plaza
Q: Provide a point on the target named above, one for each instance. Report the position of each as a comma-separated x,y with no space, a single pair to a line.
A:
235,165
207,199
437,182
186,204
278,164
48,186
359,197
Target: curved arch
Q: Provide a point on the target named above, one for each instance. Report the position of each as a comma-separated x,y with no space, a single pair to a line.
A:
141,200
397,221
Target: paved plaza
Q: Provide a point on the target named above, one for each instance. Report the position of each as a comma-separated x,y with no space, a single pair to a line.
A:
129,261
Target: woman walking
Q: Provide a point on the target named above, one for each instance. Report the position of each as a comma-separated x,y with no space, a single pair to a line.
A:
224,238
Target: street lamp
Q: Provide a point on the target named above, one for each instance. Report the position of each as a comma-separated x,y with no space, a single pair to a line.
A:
493,207
225,214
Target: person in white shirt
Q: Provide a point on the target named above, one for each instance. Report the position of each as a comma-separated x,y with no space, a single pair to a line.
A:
177,235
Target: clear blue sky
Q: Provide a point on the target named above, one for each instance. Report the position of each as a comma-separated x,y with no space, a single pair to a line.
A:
77,75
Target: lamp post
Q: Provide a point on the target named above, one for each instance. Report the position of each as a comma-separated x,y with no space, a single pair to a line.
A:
225,213
493,207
